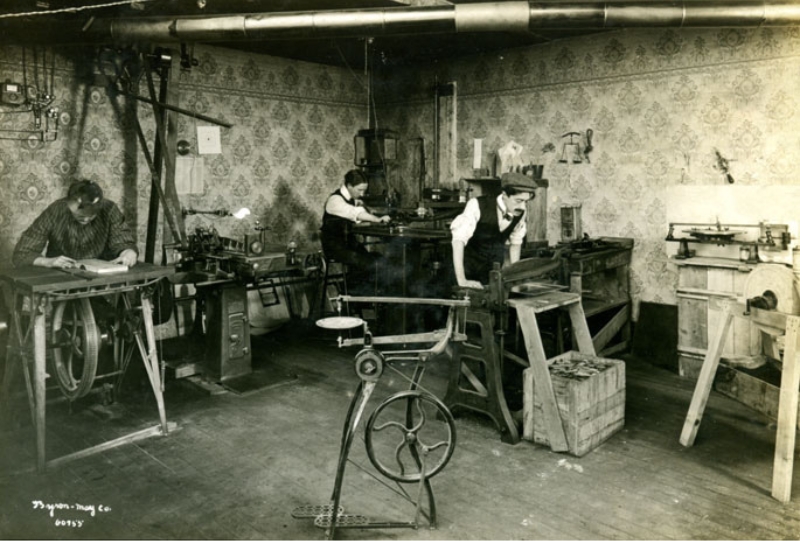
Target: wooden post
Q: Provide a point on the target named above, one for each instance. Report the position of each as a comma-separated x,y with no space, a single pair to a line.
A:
581,329
705,380
540,374
787,413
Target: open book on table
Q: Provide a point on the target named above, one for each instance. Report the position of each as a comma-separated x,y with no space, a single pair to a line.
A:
99,266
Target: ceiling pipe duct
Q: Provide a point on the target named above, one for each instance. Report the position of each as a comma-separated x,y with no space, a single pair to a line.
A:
514,16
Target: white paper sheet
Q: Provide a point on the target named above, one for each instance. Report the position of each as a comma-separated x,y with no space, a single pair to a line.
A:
208,140
477,151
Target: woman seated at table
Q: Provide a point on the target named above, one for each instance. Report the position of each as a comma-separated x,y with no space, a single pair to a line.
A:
343,209
82,225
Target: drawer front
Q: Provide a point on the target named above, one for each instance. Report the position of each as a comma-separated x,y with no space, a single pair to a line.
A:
693,278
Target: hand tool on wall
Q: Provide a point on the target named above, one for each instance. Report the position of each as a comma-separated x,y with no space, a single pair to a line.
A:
723,165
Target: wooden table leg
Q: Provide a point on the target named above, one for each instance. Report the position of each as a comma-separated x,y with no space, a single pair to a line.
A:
705,380
39,381
787,413
541,378
581,329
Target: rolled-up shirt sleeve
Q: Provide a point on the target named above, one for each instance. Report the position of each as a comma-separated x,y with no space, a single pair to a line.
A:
337,206
463,226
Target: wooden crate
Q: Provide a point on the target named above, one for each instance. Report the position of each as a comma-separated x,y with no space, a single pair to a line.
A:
592,409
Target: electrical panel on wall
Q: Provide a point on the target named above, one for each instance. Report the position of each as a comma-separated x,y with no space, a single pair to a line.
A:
12,93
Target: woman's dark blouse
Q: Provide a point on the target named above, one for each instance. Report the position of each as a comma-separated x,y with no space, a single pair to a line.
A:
56,229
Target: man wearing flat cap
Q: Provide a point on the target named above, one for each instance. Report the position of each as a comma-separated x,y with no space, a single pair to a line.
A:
82,225
486,226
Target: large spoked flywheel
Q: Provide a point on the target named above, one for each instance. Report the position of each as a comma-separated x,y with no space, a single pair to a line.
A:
76,343
416,434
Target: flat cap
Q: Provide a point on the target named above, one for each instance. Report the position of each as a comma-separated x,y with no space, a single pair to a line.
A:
519,182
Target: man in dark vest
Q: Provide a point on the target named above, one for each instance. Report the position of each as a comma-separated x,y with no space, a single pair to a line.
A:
339,243
487,226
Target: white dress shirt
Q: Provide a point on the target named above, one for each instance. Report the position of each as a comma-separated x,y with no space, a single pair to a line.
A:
339,206
463,227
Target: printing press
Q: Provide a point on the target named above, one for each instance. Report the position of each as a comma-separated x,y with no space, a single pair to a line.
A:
595,268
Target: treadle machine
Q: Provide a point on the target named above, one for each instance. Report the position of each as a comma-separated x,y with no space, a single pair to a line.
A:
413,426
74,336
476,373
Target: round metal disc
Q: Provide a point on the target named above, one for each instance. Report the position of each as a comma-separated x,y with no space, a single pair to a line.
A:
775,279
340,322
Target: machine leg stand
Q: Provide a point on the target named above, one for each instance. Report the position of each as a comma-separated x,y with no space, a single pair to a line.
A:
487,396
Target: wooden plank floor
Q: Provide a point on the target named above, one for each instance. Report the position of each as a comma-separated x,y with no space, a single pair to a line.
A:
239,464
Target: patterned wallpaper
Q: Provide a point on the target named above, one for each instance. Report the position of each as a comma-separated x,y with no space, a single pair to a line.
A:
658,102
291,143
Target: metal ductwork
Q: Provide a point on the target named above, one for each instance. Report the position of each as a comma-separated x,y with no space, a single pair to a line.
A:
514,16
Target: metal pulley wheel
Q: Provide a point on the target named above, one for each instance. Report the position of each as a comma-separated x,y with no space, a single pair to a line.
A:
416,430
369,364
76,344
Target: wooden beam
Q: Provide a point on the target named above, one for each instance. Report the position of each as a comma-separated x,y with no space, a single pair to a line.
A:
787,414
156,195
706,379
539,372
610,330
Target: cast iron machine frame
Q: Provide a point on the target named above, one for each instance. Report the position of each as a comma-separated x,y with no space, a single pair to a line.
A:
370,364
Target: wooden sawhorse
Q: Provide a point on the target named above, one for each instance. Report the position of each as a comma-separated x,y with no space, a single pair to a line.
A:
788,402
485,394
537,376
32,292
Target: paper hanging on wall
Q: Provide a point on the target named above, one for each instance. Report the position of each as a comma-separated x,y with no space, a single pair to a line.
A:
477,151
208,140
189,175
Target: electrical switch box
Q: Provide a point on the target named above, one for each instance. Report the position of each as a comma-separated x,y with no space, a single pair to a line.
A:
12,93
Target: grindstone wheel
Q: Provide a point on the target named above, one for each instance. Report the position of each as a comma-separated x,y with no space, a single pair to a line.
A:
772,284
416,431
76,343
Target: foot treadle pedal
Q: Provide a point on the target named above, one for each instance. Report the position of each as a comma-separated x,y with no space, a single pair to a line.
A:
342,521
313,511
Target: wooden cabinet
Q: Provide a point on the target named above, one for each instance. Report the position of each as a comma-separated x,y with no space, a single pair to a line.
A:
704,284
602,278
